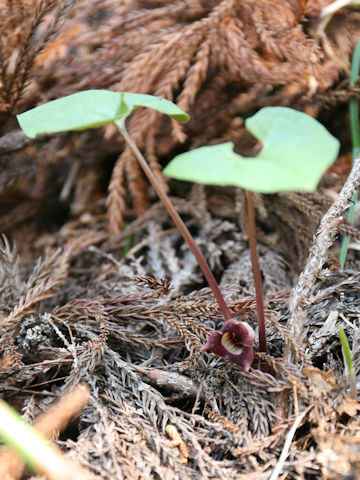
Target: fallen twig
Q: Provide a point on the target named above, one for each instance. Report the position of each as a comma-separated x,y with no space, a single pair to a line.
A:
325,237
13,141
285,451
171,381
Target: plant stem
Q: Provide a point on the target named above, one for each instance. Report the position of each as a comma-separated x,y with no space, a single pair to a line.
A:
256,271
178,222
348,361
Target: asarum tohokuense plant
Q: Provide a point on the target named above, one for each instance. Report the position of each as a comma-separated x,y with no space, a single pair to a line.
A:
296,151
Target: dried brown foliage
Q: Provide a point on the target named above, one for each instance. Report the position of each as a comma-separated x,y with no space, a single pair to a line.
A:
128,314
125,335
214,59
124,331
26,29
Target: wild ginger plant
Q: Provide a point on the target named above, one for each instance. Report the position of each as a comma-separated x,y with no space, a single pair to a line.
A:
296,151
95,108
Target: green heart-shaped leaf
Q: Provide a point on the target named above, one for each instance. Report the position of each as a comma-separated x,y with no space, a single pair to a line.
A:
296,151
91,108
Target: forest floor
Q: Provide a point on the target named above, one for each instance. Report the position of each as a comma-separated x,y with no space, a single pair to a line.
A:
98,287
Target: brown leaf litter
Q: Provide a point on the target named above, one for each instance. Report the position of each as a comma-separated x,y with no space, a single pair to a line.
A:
127,313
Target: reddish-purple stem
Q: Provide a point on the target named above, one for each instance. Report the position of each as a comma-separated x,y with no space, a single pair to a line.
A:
256,271
180,224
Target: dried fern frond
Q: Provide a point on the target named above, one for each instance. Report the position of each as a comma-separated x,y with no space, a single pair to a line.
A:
26,28
302,213
161,287
10,281
215,60
47,275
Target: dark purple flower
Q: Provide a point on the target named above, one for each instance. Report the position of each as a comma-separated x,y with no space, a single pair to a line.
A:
234,342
